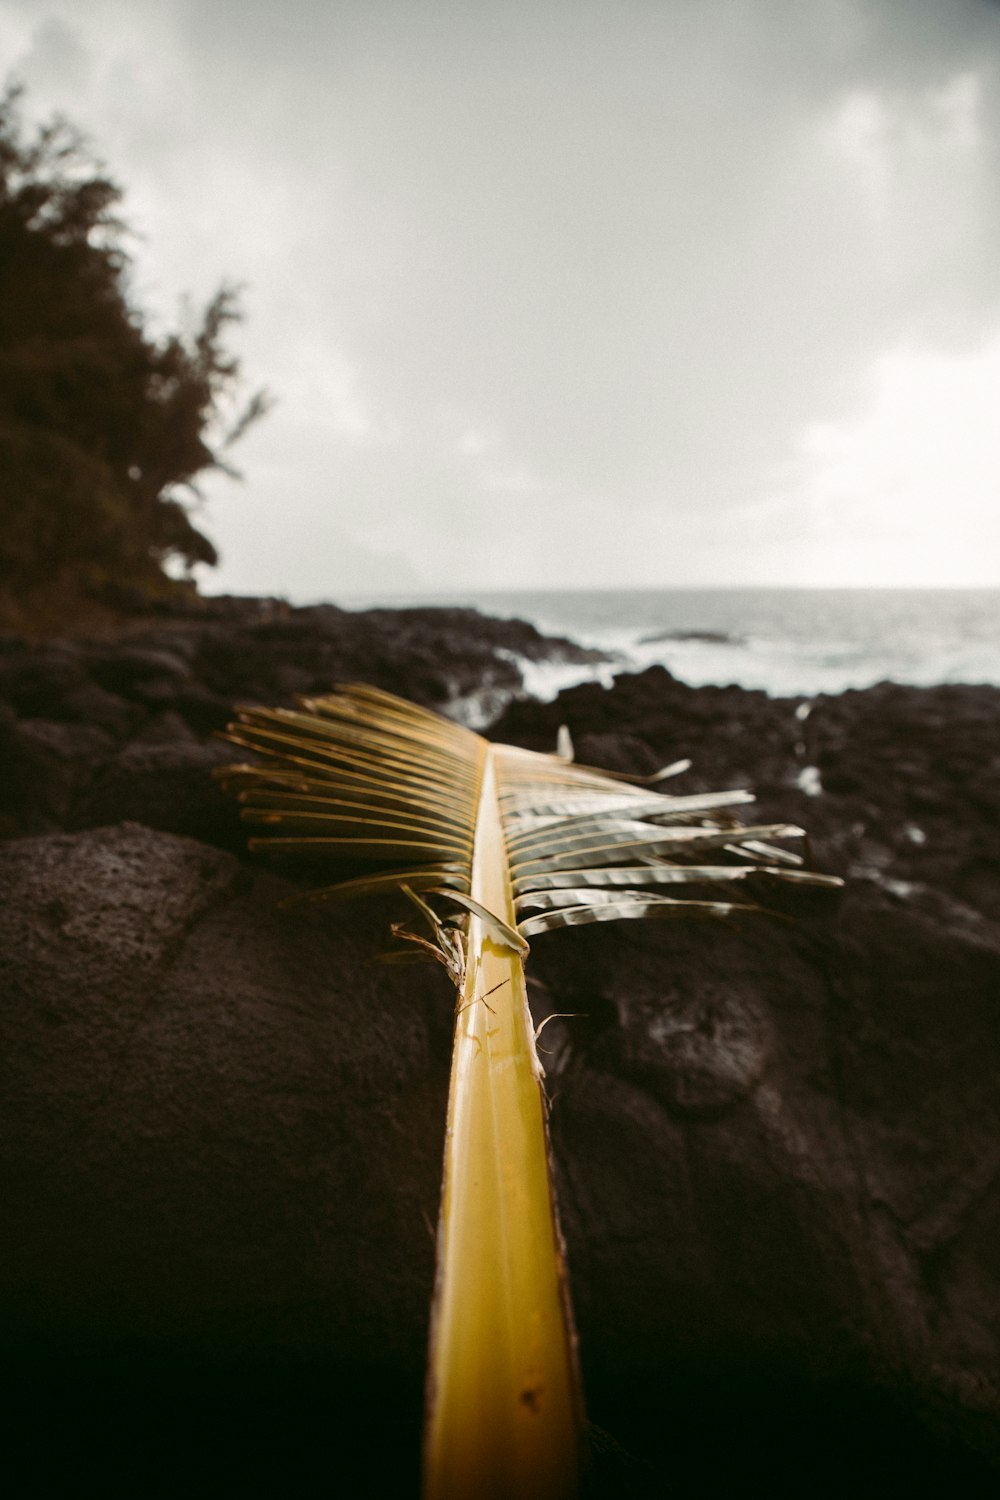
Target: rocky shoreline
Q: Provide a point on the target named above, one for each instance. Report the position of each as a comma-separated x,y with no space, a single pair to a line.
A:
777,1143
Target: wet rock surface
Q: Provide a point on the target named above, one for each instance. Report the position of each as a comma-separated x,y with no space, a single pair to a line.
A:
221,1125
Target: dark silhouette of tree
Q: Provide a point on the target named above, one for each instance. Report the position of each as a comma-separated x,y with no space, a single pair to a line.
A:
103,428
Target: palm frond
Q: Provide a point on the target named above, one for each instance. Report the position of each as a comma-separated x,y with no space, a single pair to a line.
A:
493,845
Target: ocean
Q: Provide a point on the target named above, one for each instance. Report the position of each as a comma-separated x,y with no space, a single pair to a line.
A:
789,642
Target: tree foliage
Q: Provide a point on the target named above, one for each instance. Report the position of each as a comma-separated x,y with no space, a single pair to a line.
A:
104,429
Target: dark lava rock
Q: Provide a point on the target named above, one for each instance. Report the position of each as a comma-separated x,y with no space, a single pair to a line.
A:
432,655
131,668
778,1164
34,680
166,785
221,1126
811,1108
222,1131
74,715
892,783
46,766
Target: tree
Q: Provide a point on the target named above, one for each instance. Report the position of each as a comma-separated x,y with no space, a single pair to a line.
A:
496,832
104,429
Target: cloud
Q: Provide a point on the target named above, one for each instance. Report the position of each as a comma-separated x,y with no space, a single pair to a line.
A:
921,164
473,444
907,489
858,134
323,391
630,251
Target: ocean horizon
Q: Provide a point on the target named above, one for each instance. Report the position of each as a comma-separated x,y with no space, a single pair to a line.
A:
788,642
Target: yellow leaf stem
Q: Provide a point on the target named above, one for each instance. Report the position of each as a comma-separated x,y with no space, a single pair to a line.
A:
504,1409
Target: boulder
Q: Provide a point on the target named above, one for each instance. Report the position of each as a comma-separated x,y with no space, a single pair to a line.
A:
222,1129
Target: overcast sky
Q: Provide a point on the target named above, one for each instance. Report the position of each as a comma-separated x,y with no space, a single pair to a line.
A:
571,292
